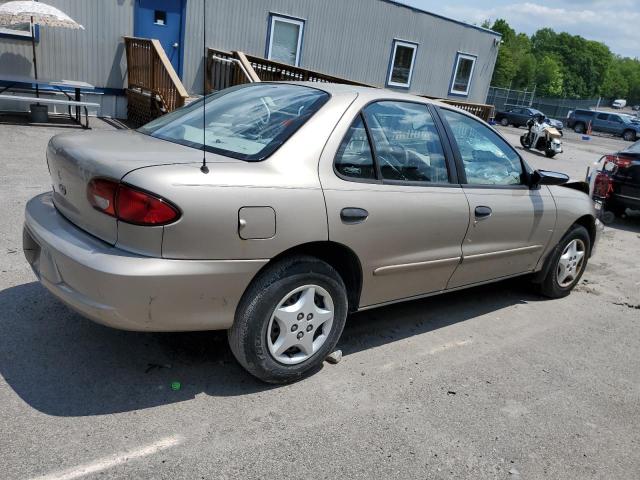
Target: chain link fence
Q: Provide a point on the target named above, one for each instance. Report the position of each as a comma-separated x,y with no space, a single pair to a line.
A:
559,108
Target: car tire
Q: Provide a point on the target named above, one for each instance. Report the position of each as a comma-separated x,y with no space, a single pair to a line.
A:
579,127
566,265
550,153
618,211
629,135
504,122
258,334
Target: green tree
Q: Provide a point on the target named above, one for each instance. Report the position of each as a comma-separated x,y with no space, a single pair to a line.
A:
549,77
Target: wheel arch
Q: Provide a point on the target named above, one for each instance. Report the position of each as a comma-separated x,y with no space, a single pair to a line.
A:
343,259
586,221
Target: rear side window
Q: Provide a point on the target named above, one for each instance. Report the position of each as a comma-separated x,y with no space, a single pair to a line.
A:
406,143
602,116
248,122
585,113
487,158
392,141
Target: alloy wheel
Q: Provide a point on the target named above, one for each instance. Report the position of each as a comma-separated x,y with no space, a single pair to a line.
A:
571,263
300,324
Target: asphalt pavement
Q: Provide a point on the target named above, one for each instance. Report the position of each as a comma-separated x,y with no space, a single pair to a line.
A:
492,382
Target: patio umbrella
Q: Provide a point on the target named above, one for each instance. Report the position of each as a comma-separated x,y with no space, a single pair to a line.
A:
32,12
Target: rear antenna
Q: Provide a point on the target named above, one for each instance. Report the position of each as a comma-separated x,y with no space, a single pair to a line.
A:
204,168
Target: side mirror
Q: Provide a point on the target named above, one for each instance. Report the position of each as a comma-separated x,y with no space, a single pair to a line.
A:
546,177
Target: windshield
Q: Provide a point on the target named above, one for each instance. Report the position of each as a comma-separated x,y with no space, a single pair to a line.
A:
248,122
635,148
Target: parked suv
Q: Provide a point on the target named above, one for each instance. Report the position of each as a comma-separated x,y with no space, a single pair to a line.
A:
615,123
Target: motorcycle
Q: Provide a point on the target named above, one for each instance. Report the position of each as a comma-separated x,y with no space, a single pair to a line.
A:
542,136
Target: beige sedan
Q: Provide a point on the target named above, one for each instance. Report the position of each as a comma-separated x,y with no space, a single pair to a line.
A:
287,207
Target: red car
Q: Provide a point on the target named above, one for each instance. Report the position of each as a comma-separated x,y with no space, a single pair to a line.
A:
617,184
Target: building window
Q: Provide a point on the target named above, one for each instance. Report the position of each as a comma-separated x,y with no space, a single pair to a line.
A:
403,56
462,74
285,39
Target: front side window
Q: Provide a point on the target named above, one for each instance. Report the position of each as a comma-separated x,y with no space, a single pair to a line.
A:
462,74
248,122
285,40
487,158
403,56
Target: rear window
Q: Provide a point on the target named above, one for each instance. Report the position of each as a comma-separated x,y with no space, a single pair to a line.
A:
248,122
635,148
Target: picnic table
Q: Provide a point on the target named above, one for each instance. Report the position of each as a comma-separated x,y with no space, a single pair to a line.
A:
9,81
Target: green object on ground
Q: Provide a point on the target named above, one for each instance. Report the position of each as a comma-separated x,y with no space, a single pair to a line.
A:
175,386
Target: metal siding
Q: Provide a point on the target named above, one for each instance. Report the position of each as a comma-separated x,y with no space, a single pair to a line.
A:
349,38
94,55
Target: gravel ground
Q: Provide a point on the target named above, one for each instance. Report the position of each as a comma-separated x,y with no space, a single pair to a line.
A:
493,382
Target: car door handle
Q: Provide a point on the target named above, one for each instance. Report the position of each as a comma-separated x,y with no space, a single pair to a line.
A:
353,215
483,212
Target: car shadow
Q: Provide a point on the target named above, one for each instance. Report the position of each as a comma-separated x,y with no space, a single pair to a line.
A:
64,365
629,223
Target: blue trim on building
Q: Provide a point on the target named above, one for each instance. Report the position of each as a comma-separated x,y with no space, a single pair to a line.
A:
442,17
26,38
282,15
389,65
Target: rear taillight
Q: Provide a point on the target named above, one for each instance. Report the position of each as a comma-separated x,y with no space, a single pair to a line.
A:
620,162
129,204
102,195
603,186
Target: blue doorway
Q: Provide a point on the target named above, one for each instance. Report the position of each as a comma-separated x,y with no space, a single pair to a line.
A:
164,21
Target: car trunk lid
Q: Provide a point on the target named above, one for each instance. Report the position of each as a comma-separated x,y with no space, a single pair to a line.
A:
75,159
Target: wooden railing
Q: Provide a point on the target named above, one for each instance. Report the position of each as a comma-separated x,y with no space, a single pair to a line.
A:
480,110
271,71
224,70
150,73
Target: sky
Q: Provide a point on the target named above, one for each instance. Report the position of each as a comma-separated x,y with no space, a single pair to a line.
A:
613,22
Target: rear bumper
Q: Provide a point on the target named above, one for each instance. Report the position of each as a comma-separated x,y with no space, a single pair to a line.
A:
127,291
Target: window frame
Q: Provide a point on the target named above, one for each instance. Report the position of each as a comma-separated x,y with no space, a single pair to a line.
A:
394,47
525,181
456,64
7,32
278,17
452,169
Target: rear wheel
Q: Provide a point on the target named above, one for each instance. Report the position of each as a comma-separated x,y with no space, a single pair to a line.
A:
504,122
568,262
629,135
289,319
579,127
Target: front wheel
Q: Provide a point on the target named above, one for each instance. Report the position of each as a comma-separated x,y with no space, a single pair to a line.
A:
289,319
524,141
629,135
568,263
550,153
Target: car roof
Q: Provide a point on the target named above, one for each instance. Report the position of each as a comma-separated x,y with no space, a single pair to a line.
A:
368,93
